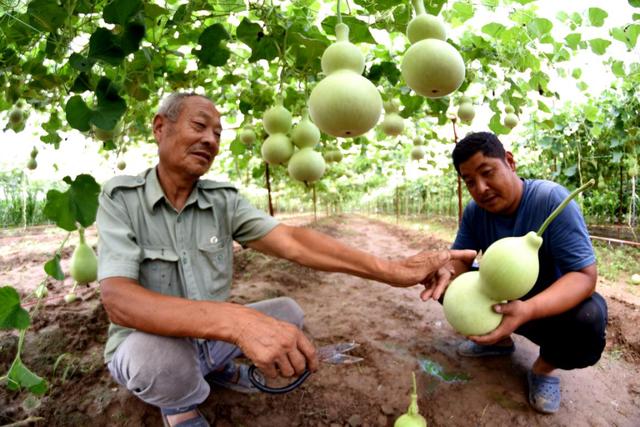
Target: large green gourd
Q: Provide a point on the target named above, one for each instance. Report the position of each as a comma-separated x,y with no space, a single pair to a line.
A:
84,263
510,267
508,271
467,308
412,417
344,103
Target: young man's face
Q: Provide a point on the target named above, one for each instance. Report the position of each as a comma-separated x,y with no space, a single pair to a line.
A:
189,144
492,182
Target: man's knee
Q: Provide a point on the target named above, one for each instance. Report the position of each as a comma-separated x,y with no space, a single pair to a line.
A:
282,308
159,370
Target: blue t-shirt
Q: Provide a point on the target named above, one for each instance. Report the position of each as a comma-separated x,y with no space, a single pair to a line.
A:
565,247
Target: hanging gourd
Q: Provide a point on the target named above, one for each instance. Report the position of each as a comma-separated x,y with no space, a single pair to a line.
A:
418,140
466,112
305,134
431,66
393,123
277,148
247,136
84,263
508,271
306,165
417,152
344,103
510,119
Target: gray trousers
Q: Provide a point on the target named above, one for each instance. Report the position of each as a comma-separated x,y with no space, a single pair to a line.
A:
169,372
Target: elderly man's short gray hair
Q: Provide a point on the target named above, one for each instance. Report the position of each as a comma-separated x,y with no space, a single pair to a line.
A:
172,104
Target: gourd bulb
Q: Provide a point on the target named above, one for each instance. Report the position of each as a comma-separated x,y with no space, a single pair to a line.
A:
510,120
417,153
425,26
247,136
433,68
121,165
418,140
306,165
412,417
32,163
342,55
635,279
277,149
391,106
466,112
509,267
509,109
345,104
336,156
305,134
84,263
276,119
393,124
467,308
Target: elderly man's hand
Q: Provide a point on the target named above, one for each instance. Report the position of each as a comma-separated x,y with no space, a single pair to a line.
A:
275,347
425,267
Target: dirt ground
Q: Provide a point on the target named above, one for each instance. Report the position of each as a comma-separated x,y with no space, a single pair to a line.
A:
396,331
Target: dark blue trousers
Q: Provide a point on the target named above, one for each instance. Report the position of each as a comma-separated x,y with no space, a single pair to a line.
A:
574,339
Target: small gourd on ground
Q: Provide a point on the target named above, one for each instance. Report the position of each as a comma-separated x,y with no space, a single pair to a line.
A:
412,417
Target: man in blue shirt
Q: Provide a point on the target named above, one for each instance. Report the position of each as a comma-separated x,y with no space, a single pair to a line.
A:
562,313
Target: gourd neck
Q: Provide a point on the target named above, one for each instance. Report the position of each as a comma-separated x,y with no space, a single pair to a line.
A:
418,6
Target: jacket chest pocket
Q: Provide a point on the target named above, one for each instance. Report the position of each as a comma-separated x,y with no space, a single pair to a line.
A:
158,271
217,261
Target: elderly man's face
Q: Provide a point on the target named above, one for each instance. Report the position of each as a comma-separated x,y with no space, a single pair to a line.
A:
189,145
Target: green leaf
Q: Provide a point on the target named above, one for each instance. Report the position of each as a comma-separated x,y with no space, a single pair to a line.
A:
634,3
539,27
78,114
358,30
131,37
495,124
81,63
493,29
46,15
120,11
599,46
12,315
597,16
237,147
19,377
543,107
572,40
111,106
53,268
461,12
618,68
590,112
570,171
576,73
105,46
211,50
78,204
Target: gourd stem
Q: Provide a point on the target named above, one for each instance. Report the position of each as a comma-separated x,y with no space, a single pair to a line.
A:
418,6
339,13
413,406
563,205
81,232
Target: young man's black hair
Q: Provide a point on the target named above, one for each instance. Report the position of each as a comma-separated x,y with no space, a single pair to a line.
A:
485,142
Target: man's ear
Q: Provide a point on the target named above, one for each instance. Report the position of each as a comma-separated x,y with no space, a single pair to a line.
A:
158,126
508,158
